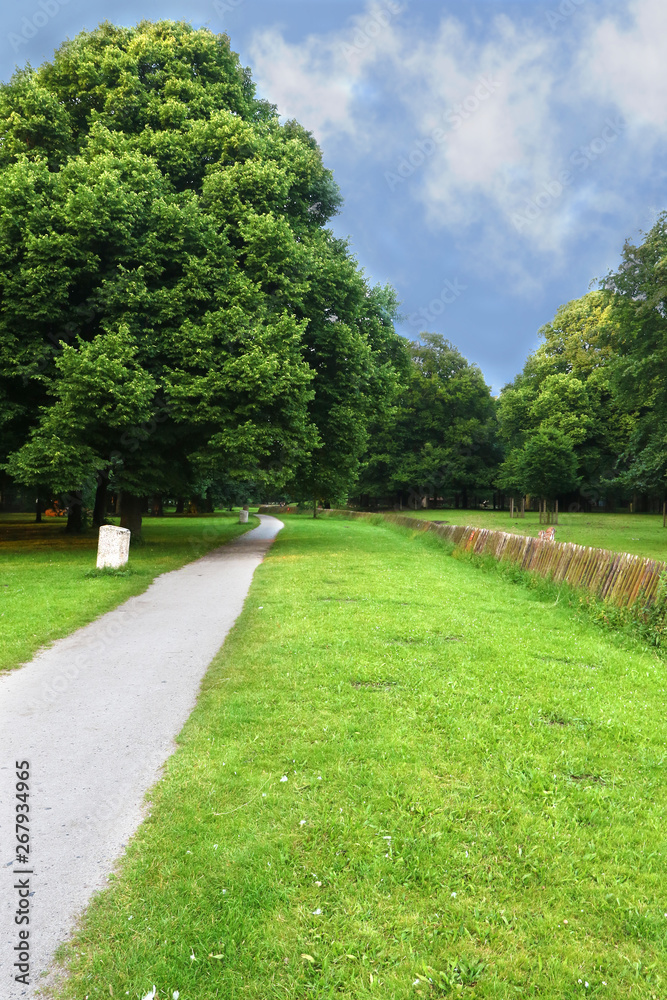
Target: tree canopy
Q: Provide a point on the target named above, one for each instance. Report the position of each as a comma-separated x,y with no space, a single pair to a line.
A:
171,304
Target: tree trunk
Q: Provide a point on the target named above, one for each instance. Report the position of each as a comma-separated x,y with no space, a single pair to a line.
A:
131,509
38,511
74,513
100,508
180,505
314,507
157,508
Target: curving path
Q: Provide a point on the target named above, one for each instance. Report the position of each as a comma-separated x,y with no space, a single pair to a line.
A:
96,715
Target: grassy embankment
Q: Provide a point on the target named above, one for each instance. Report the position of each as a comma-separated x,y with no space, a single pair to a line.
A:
642,534
45,592
403,777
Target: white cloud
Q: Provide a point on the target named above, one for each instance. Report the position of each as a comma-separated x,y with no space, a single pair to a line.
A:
626,65
482,122
320,81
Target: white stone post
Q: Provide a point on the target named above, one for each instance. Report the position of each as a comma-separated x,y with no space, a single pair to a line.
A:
243,517
113,546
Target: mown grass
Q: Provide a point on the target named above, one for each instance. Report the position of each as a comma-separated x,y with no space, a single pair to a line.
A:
404,778
48,587
642,534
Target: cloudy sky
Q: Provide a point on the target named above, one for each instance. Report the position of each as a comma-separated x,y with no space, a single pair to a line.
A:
493,156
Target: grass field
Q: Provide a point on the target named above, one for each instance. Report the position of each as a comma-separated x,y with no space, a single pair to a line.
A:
642,534
45,592
404,778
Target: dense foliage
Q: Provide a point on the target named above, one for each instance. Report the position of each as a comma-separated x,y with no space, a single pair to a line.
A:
172,308
440,435
639,299
561,410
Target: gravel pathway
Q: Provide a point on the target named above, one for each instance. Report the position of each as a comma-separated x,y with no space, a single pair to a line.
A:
95,715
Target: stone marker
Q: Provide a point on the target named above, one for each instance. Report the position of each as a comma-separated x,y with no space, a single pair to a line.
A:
243,517
113,546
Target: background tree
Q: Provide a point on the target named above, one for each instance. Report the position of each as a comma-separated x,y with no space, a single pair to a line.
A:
567,386
440,436
638,302
545,466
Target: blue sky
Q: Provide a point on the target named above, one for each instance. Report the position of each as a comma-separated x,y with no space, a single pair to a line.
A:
493,156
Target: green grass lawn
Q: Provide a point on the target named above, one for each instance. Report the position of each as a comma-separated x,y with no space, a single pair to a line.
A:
642,534
45,592
403,778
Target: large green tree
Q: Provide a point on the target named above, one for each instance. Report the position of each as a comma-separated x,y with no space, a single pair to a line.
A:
171,306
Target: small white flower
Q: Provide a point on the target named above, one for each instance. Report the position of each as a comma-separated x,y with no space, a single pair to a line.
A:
466,854
284,777
215,847
453,895
151,994
263,795
175,995
386,838
585,985
302,822
192,957
319,777
261,607
188,852
129,918
416,982
317,912
603,983
224,890
578,980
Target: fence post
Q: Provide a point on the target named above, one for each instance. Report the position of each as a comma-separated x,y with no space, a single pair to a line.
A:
512,509
523,507
556,513
664,513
